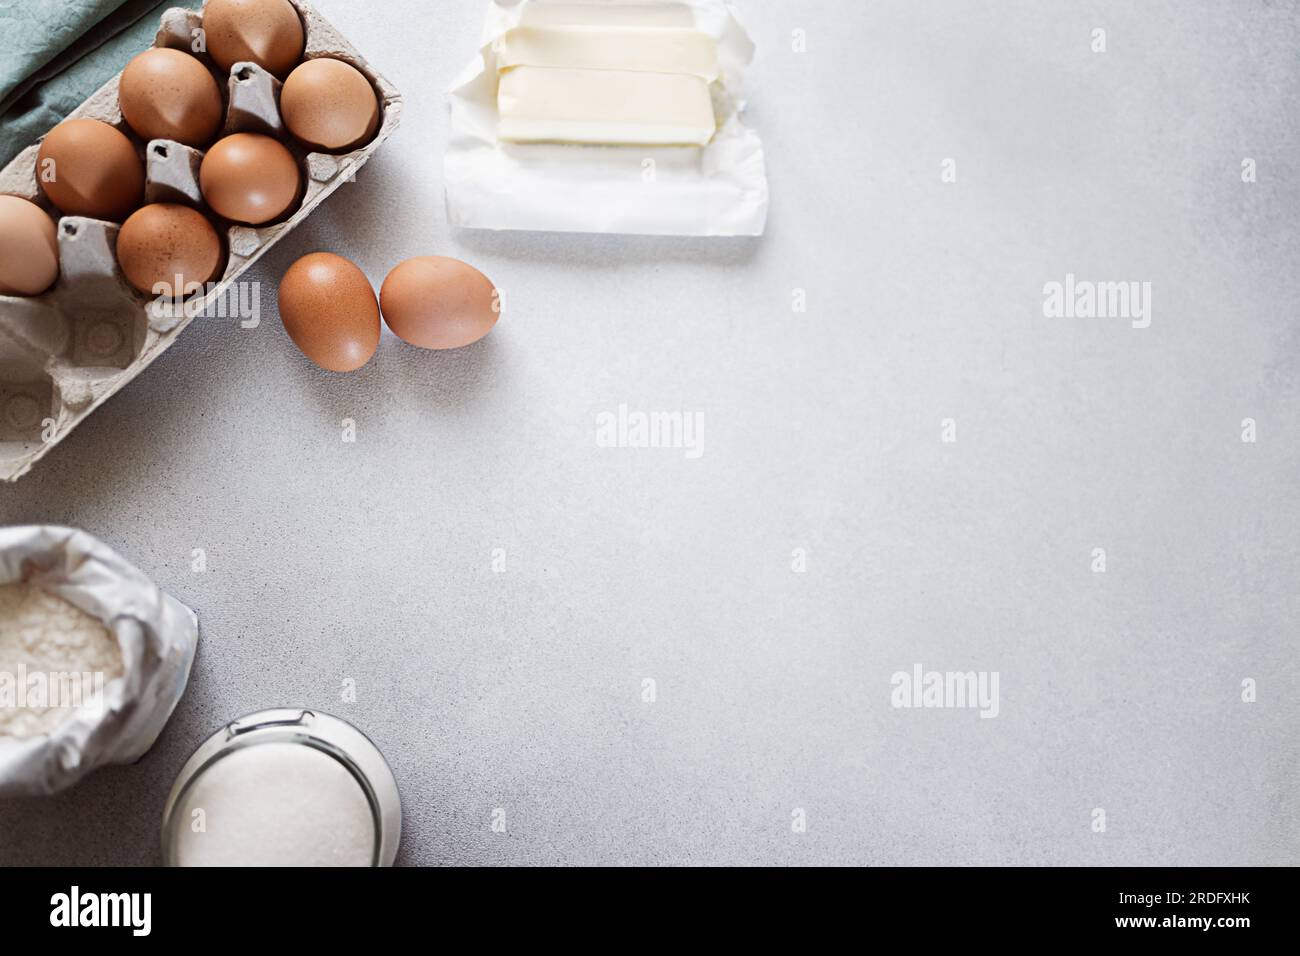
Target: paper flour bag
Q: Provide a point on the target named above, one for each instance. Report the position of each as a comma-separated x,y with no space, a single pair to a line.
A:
93,658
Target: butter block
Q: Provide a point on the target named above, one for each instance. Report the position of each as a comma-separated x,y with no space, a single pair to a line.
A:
641,50
609,107
654,14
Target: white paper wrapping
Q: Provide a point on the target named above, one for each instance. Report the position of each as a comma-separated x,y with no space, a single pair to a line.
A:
157,635
716,190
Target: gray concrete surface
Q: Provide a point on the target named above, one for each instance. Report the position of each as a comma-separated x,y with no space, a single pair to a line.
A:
523,690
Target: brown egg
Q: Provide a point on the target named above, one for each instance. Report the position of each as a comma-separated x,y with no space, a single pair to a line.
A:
330,105
167,94
250,178
329,310
165,248
439,303
88,168
29,248
266,32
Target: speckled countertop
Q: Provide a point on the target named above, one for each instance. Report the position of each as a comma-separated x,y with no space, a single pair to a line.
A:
524,689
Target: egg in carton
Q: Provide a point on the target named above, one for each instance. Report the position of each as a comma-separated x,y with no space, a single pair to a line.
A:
65,352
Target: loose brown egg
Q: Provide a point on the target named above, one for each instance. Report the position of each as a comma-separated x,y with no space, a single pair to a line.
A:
439,303
29,248
329,310
165,248
266,32
250,178
330,105
167,94
88,168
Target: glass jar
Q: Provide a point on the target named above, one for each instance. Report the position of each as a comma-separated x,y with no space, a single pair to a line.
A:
286,787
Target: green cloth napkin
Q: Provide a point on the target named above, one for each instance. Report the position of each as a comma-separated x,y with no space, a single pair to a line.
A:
55,53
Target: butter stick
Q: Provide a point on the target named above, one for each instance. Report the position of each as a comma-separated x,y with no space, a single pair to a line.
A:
611,107
610,48
653,14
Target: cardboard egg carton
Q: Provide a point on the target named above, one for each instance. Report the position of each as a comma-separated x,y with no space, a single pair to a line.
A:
64,353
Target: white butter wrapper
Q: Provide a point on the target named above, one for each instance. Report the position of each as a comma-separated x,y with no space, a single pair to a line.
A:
156,633
715,190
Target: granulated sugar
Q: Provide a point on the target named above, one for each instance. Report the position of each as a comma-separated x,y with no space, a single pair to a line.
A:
53,656
275,804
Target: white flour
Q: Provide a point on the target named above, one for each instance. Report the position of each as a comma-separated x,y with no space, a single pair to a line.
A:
275,804
52,655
